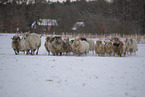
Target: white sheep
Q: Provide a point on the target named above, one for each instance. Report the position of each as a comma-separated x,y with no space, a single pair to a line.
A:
31,42
131,45
80,47
91,45
135,45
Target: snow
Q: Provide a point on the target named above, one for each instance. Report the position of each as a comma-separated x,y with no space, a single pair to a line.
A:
70,76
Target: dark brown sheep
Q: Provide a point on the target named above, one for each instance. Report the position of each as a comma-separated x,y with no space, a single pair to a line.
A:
16,44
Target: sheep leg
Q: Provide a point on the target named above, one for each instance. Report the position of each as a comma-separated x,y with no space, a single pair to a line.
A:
93,52
53,54
124,53
18,51
48,52
79,54
60,53
24,51
74,53
32,51
37,51
27,51
15,52
118,53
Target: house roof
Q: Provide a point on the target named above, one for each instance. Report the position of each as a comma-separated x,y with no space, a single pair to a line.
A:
77,25
45,22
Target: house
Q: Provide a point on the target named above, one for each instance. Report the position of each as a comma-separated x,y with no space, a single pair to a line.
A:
77,25
44,25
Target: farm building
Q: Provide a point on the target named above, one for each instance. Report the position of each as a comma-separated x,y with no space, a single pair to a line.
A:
44,25
78,26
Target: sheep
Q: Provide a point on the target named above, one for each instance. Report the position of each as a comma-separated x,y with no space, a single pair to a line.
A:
131,46
91,45
135,45
47,42
80,47
108,47
56,46
25,45
16,44
50,47
99,47
119,47
67,46
31,42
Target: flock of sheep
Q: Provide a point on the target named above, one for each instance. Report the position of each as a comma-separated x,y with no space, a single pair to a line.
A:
31,42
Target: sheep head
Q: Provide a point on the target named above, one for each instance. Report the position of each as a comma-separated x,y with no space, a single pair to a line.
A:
26,35
16,39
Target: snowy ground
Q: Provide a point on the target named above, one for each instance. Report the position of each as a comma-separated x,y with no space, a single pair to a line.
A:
70,76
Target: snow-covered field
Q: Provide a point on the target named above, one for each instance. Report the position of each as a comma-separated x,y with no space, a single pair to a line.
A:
70,76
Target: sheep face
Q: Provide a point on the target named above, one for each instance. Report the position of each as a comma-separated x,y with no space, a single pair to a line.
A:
47,39
98,43
76,44
57,41
25,36
116,42
15,39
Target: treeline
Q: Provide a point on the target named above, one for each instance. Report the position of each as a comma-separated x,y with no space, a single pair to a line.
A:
101,17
